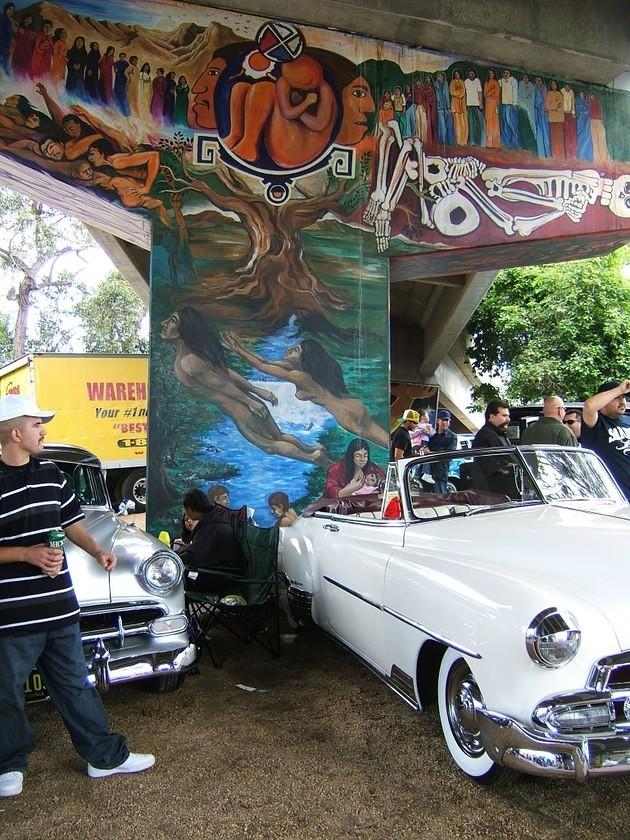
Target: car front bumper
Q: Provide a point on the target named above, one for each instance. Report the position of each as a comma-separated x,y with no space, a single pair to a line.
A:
106,668
576,757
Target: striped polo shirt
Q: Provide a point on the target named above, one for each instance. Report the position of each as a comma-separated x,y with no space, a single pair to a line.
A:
34,499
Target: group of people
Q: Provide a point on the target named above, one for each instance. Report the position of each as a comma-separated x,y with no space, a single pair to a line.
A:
86,72
601,425
548,118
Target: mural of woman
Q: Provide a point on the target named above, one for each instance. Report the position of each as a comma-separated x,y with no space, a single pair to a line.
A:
157,97
457,89
145,92
492,96
543,140
77,59
349,476
42,51
555,111
583,125
386,108
200,365
182,92
106,76
23,48
318,378
92,71
170,86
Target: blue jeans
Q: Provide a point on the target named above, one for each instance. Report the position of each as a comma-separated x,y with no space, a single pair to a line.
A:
440,486
59,656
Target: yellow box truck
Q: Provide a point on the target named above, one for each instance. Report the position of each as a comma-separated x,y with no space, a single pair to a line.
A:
100,403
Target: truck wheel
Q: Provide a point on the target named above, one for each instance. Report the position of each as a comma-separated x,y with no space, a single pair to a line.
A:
134,487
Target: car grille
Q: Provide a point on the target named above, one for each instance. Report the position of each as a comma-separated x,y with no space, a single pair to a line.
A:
612,673
118,621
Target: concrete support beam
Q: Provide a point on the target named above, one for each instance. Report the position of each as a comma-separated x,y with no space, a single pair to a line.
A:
580,40
132,262
452,311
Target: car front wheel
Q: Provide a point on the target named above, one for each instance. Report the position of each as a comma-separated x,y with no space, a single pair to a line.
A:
458,695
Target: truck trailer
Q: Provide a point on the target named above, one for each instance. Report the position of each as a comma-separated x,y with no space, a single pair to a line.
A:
101,405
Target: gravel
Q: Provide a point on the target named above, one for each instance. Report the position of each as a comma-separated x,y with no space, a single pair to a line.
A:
320,749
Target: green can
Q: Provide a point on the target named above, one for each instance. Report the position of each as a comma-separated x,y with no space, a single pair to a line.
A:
56,538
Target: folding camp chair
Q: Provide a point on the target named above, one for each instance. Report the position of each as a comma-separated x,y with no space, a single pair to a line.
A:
246,603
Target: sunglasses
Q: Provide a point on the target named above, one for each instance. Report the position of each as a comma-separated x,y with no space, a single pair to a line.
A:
569,422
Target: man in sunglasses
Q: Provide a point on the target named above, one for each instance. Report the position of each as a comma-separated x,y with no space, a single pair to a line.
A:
573,419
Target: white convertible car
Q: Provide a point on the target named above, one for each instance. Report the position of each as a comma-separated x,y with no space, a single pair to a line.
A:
507,601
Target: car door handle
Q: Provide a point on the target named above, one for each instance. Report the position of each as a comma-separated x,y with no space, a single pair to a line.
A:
331,527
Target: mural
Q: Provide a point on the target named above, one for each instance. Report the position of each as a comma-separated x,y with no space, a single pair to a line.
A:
281,166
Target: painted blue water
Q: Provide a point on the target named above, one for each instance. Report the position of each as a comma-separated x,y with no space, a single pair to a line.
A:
262,474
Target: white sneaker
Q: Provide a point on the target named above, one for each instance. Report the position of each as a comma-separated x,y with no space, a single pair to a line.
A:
11,783
134,763
428,478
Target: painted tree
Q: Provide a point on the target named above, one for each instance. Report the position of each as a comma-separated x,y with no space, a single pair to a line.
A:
111,317
272,279
34,244
554,329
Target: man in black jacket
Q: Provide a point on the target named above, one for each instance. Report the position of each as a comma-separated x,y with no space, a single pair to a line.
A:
494,431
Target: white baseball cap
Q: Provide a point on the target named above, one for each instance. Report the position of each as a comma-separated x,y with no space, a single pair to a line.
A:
15,405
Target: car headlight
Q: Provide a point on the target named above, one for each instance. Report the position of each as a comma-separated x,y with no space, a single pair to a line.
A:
161,571
552,639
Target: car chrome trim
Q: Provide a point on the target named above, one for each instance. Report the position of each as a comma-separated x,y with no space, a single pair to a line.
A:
141,667
602,672
437,637
352,592
577,757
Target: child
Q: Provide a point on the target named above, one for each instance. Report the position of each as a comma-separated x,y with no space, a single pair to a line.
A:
370,485
279,504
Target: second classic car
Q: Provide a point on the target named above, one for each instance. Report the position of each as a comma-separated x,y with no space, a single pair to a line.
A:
133,620
506,603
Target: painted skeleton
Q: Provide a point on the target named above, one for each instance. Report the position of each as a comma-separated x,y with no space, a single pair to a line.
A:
450,189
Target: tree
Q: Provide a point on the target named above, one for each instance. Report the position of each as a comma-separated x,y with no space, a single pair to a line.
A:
111,317
555,329
6,339
33,243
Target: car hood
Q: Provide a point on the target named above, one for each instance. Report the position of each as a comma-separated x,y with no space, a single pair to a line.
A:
559,555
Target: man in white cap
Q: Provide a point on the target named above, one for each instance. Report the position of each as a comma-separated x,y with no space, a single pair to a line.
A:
400,446
39,613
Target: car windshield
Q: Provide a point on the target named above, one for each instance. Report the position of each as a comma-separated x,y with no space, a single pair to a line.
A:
446,485
571,475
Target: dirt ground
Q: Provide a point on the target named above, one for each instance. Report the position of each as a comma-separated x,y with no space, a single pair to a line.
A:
321,749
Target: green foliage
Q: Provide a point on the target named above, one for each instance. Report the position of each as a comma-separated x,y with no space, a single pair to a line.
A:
555,329
111,317
6,339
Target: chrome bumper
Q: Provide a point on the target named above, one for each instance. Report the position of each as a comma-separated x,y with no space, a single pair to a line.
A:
575,757
104,671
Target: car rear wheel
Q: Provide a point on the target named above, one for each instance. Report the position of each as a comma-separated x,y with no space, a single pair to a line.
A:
458,695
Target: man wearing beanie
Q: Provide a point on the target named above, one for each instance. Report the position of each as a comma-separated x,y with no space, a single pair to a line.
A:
606,429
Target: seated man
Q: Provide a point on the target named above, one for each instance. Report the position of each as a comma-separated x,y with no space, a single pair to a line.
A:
213,544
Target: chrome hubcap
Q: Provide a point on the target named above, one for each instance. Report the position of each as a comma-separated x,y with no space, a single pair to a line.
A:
463,698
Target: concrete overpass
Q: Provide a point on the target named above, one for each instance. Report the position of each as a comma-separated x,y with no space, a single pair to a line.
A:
433,295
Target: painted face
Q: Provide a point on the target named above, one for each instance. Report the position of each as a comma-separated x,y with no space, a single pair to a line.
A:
189,523
53,150
201,111
96,157
294,354
357,101
72,128
360,458
222,499
277,511
32,121
170,328
84,172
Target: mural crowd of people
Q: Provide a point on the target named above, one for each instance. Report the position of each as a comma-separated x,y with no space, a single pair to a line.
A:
87,72
551,118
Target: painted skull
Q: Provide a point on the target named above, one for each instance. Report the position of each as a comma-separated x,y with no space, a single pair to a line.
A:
616,194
